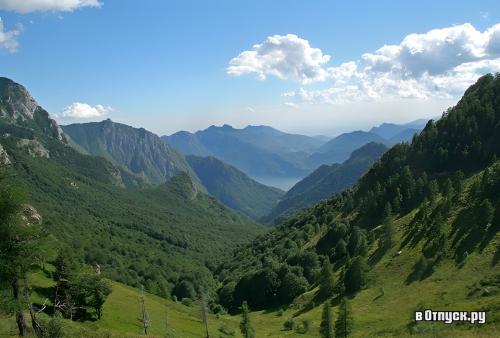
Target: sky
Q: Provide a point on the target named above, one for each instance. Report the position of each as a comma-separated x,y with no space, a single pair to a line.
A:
310,67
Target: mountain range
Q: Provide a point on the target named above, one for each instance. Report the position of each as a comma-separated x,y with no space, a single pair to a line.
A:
234,188
102,212
326,181
255,150
262,151
412,227
152,161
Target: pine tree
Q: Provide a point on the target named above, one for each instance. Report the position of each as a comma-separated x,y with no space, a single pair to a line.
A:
16,248
340,249
343,324
387,236
146,322
355,275
485,213
203,308
357,242
327,324
327,280
245,326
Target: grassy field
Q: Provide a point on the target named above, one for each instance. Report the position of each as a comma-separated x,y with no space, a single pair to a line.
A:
451,287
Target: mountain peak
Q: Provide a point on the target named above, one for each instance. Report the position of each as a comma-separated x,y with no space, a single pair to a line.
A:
15,101
17,104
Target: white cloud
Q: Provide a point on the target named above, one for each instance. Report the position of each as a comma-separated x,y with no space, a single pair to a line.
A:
286,57
8,39
291,104
28,6
80,110
440,63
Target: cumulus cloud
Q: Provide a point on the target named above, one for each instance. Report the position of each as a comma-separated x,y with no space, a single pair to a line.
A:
8,39
440,63
28,6
286,57
80,110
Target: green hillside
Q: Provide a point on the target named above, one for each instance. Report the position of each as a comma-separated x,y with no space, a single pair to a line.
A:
138,150
234,188
156,237
326,181
419,231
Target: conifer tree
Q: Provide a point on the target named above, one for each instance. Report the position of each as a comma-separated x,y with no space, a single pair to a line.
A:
327,324
17,249
245,326
327,280
355,275
343,324
387,236
203,308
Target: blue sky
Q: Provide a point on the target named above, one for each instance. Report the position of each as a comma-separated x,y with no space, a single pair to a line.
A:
163,65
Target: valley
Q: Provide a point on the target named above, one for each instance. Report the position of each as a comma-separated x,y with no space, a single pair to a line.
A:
170,229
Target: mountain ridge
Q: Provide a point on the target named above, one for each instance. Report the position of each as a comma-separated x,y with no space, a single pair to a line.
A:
97,212
234,188
326,181
137,149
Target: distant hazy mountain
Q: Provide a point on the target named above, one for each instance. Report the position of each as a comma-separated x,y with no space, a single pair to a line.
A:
256,150
234,188
322,138
262,151
338,149
137,149
403,136
187,143
390,130
326,181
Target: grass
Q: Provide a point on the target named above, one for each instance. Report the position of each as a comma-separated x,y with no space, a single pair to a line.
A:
374,316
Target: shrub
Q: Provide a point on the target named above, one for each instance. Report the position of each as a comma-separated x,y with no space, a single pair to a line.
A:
289,324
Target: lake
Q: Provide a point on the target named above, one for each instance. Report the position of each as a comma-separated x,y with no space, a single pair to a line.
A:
281,182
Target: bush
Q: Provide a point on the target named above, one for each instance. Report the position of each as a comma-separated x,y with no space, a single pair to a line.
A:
184,289
289,324
187,301
303,327
53,328
228,331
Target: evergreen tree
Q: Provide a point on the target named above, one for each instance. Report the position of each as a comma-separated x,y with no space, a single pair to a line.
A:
327,280
16,248
355,275
357,242
245,326
387,235
485,213
98,289
203,309
432,190
343,324
448,187
340,249
327,324
457,180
